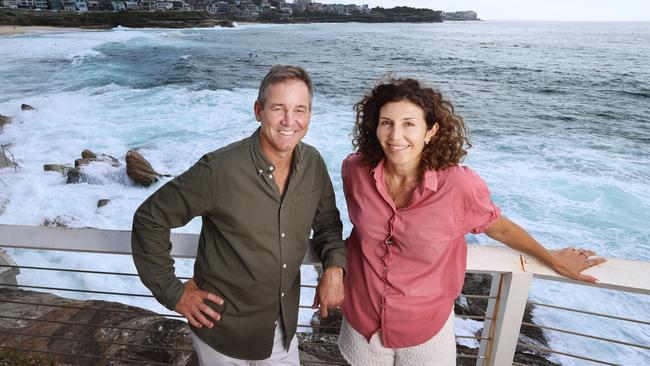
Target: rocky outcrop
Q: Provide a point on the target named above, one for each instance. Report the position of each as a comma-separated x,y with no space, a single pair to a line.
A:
6,159
139,169
76,174
87,154
103,202
4,120
60,168
58,221
3,205
95,329
26,107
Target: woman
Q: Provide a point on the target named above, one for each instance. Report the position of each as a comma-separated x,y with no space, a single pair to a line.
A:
411,204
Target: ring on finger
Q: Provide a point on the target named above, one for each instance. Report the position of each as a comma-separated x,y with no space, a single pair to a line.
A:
583,253
589,262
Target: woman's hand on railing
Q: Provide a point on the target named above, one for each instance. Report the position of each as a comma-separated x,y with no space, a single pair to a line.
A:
571,262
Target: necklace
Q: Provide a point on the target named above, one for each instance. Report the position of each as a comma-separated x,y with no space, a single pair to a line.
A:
396,195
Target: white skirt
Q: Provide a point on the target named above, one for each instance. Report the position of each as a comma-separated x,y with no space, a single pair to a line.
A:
439,350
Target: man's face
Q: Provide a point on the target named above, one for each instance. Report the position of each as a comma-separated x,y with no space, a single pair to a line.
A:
284,117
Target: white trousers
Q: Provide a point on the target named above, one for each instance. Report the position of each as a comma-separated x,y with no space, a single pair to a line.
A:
280,356
437,351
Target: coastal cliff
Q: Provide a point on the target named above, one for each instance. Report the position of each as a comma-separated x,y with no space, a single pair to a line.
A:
460,15
192,19
107,20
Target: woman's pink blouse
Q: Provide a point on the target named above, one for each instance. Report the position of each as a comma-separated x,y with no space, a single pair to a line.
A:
406,266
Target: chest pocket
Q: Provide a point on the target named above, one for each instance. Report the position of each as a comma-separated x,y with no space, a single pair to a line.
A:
305,206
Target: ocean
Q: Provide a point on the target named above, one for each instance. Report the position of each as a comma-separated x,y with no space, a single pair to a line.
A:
557,113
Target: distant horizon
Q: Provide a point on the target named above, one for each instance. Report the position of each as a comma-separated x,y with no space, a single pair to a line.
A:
532,10
554,20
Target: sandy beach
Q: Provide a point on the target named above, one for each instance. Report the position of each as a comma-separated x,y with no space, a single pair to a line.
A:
8,30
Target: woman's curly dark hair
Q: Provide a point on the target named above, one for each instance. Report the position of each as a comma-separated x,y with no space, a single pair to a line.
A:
445,149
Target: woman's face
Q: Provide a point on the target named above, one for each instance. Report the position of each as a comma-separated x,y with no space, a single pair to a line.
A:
402,132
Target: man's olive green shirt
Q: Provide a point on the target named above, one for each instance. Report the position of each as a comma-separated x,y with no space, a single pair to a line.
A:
252,240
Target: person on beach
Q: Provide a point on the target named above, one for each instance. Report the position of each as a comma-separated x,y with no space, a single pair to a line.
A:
411,204
259,199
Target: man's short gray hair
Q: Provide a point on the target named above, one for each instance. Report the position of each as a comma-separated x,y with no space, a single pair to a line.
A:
279,73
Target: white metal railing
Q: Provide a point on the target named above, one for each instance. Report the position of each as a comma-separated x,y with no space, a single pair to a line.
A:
512,277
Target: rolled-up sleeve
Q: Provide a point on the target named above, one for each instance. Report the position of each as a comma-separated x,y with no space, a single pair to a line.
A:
173,205
480,211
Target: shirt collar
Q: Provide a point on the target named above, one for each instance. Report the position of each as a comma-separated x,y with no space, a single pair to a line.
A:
262,164
430,176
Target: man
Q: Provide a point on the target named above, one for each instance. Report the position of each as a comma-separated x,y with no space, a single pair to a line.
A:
259,199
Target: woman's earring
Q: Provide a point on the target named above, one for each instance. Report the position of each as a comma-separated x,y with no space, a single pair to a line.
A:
426,142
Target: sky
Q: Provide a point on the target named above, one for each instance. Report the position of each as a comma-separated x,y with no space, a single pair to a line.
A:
585,10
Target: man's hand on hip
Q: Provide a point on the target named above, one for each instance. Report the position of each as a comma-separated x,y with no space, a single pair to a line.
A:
330,291
192,305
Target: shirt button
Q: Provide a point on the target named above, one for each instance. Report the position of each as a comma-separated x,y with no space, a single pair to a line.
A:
282,294
282,235
276,322
261,171
284,265
271,168
387,286
270,176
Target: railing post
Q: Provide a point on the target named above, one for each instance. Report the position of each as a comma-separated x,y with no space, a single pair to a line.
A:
8,274
508,310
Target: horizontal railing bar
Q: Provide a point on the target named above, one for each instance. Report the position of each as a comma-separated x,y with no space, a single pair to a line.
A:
477,317
591,313
87,356
317,326
584,335
463,355
473,337
79,271
567,354
87,324
89,308
97,272
78,290
180,278
325,363
479,296
95,341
